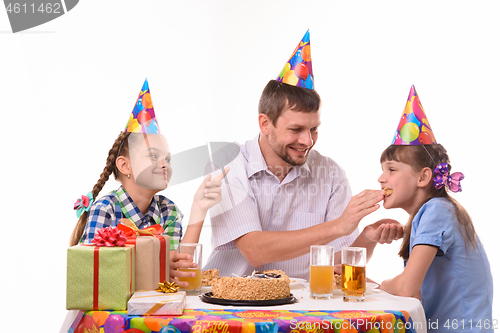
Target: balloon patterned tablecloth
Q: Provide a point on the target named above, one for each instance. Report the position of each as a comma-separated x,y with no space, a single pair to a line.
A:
380,312
245,321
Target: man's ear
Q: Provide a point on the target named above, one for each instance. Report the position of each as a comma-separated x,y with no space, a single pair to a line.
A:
425,177
123,165
264,123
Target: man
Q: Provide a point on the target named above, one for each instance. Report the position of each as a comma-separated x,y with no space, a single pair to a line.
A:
283,196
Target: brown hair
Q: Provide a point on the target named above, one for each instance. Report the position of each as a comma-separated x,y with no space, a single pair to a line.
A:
120,148
277,96
429,156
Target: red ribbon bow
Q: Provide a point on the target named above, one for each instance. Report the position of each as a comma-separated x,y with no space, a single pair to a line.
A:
109,237
131,231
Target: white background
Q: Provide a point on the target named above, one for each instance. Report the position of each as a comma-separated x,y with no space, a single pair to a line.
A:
67,88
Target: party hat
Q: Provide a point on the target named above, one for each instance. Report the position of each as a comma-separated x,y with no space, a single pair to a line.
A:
143,119
298,69
414,127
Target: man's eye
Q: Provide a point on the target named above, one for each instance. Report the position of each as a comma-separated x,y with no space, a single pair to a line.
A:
295,129
167,160
152,156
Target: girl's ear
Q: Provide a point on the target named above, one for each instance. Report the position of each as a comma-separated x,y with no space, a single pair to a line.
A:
264,123
123,165
425,177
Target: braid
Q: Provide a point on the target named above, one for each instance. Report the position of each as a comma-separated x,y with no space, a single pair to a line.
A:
442,155
110,167
120,148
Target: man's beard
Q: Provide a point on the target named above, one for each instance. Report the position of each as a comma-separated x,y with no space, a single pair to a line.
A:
283,154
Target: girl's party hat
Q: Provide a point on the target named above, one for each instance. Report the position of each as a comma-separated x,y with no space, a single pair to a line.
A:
143,119
298,69
414,127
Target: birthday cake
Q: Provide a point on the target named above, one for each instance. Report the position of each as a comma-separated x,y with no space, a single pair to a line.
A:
272,284
208,276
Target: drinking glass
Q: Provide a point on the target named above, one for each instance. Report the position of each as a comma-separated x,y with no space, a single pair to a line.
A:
321,272
354,274
194,283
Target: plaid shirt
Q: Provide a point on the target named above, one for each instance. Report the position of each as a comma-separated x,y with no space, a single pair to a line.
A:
107,212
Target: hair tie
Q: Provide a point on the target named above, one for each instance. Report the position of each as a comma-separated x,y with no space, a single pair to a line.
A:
83,204
444,179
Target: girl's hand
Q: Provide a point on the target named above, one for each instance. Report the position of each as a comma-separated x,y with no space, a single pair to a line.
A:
181,260
209,193
384,231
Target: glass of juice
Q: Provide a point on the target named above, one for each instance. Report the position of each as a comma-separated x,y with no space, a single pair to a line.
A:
194,283
354,274
321,272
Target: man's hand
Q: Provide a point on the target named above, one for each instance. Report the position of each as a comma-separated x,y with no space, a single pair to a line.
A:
358,207
384,231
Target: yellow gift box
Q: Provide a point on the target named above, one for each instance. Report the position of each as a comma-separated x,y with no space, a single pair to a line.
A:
154,303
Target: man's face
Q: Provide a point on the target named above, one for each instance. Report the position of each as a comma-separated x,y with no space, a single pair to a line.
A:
150,159
294,135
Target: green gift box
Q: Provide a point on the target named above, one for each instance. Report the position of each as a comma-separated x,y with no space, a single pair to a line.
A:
100,278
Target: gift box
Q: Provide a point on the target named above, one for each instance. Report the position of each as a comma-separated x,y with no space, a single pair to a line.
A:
152,302
152,264
100,278
152,253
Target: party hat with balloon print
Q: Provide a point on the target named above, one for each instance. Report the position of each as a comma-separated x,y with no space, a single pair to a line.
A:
414,127
143,119
298,69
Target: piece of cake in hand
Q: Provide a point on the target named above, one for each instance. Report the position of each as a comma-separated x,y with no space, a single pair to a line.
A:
208,276
337,281
272,284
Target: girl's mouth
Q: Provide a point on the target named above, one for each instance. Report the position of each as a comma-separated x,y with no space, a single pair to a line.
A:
161,174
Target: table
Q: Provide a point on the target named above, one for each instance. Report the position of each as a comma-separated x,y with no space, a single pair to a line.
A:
380,311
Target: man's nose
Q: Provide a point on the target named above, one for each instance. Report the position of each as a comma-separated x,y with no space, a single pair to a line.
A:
306,138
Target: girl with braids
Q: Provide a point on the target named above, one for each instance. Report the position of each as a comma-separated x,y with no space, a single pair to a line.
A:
445,263
109,169
140,160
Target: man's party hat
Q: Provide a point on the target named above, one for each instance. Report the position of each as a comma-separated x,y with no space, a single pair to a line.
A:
414,127
143,119
298,69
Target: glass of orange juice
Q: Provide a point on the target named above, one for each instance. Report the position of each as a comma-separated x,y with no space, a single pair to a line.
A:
354,274
321,272
194,283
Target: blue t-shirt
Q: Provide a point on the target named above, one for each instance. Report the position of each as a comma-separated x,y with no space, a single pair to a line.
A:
458,287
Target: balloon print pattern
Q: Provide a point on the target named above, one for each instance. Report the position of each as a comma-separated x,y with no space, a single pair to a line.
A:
143,119
298,69
414,127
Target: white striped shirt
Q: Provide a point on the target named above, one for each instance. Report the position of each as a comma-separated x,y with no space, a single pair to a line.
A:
253,199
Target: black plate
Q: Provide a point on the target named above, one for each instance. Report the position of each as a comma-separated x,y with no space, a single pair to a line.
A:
207,298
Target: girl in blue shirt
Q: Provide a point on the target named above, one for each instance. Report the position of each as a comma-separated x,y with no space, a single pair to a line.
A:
445,263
